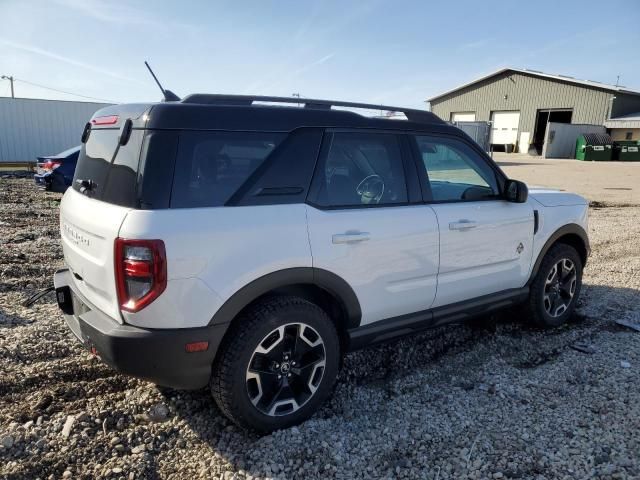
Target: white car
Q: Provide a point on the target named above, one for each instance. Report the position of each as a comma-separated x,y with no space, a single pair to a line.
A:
222,241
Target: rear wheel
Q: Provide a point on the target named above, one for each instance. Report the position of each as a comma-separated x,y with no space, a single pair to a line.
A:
279,364
556,287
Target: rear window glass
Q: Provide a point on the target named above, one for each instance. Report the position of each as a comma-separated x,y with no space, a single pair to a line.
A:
211,166
113,172
68,152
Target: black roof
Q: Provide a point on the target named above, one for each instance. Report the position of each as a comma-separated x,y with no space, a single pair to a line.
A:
238,112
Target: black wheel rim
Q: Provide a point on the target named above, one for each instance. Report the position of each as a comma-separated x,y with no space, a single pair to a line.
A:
560,287
286,369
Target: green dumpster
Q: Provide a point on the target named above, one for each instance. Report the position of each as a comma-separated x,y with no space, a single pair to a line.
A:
594,146
626,151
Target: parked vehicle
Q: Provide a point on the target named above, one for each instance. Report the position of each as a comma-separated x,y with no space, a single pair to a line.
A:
55,173
222,241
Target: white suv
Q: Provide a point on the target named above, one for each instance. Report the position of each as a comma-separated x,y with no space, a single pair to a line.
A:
246,243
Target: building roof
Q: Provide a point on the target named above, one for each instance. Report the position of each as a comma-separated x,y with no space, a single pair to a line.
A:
632,120
536,73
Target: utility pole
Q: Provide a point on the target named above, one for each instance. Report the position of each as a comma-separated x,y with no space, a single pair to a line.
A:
618,81
10,78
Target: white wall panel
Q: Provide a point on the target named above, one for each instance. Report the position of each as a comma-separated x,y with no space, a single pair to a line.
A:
33,127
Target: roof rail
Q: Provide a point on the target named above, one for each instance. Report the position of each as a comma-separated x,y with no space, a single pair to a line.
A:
414,115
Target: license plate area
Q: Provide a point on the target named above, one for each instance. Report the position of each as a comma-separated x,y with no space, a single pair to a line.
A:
79,307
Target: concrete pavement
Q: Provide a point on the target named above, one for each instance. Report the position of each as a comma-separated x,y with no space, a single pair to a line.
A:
608,182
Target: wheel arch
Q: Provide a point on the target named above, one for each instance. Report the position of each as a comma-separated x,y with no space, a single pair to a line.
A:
571,234
326,289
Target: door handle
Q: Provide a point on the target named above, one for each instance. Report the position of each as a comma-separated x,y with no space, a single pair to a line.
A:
350,237
463,225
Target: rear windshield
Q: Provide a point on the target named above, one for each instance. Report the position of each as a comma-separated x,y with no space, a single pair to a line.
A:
111,171
68,152
211,166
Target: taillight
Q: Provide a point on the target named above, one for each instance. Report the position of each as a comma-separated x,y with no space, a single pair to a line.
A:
51,165
141,272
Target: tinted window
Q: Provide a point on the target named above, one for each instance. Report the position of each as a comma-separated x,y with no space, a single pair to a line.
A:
211,166
455,171
361,169
112,170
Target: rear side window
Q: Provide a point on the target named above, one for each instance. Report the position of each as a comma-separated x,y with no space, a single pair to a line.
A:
111,169
211,166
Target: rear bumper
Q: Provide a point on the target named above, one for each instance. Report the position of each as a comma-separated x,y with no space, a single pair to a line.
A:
156,355
42,180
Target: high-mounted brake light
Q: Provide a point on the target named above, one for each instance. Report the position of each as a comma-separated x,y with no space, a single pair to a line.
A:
141,272
106,120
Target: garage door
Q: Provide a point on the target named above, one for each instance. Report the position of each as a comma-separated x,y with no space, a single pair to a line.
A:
504,129
463,117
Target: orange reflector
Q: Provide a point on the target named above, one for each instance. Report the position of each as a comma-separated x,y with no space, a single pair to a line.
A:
196,347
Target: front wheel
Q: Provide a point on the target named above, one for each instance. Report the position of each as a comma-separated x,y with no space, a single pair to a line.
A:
279,364
556,286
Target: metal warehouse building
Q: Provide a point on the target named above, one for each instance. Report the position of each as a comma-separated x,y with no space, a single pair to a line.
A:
520,104
32,127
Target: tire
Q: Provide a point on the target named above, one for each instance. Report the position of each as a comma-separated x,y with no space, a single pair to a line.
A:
260,357
551,304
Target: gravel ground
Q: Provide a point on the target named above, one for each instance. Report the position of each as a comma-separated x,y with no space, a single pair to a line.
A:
496,399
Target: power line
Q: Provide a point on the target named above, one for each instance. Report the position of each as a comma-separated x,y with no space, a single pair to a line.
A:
63,91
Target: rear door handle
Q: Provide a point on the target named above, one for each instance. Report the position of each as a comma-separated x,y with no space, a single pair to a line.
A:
463,225
350,237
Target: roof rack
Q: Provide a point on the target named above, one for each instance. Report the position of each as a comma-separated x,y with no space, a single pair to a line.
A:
414,115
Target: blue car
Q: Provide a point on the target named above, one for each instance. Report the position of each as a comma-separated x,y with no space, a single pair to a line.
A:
55,173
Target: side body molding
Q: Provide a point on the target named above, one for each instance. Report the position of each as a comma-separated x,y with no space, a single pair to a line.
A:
323,279
572,229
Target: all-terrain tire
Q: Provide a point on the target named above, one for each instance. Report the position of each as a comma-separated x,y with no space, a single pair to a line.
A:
229,384
541,288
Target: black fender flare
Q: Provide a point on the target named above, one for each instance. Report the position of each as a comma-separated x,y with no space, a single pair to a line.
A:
569,229
328,281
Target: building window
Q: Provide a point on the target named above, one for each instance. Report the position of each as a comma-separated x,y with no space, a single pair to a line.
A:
628,136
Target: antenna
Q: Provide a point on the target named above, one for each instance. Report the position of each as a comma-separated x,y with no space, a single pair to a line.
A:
168,95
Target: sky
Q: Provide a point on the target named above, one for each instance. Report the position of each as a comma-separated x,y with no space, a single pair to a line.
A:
384,52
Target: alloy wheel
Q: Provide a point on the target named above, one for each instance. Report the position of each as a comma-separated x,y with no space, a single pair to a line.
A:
560,287
286,369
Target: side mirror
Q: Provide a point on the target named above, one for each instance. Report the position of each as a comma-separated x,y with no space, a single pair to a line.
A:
516,191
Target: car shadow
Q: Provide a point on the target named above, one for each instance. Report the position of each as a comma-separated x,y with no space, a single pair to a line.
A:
521,346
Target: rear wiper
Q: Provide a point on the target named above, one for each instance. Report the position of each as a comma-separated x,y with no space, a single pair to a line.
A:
86,186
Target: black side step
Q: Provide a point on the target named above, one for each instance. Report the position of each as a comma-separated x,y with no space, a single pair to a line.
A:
403,325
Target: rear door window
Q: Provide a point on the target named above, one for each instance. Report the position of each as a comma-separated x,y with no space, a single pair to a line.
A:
361,169
211,166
